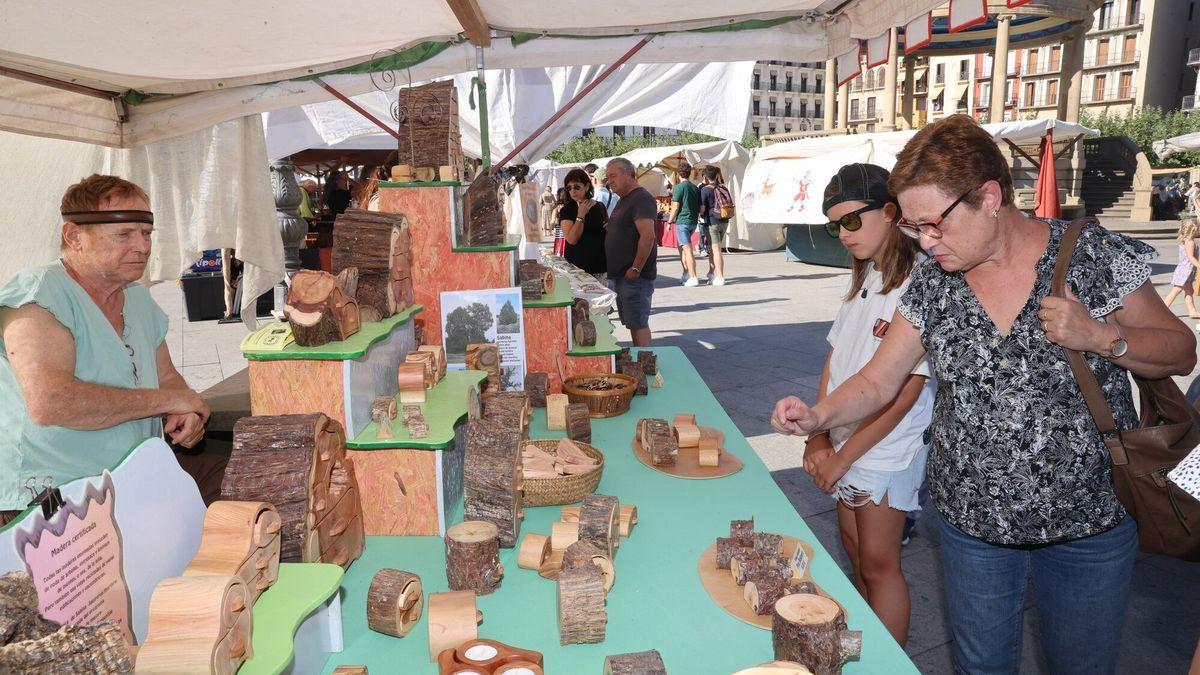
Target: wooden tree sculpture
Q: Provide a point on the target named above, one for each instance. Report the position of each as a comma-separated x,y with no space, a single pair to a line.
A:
318,311
492,478
811,630
298,463
380,247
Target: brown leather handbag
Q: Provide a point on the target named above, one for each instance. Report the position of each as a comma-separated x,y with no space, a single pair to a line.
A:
1169,427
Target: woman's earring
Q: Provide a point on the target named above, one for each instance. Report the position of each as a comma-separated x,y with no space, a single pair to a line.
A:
995,213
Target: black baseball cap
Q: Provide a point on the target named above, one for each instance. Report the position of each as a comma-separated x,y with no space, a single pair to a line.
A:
857,183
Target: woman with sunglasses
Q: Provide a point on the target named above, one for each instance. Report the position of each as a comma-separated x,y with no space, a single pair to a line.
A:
582,219
1019,471
873,469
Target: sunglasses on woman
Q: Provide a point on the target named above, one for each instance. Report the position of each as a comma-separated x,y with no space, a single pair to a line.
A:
851,222
933,228
575,187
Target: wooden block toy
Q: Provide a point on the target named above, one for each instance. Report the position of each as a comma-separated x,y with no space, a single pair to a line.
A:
563,534
197,625
634,370
708,457
426,359
556,411
453,620
446,173
239,539
394,602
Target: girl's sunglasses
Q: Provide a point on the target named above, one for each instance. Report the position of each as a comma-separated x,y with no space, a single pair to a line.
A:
851,221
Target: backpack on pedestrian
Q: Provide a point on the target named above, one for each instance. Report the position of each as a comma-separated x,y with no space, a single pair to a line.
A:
724,202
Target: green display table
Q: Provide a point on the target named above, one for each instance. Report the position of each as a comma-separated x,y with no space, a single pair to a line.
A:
606,344
658,601
352,347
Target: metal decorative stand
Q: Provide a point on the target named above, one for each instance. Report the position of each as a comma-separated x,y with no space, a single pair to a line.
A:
292,227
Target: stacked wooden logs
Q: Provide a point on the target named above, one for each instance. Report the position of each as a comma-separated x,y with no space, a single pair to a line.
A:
659,439
485,356
318,310
536,280
298,463
379,245
492,477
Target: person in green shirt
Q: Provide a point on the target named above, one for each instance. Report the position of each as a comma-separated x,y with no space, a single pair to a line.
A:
85,373
685,214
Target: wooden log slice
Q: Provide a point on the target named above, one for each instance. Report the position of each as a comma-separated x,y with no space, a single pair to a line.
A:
579,423
761,595
742,531
598,522
536,385
754,566
727,547
581,310
534,550
635,663
411,380
585,333
453,619
776,668
632,369
589,553
562,535
492,478
649,363
473,557
394,602
768,544
811,630
486,357
581,614
556,411
350,670
626,519
99,649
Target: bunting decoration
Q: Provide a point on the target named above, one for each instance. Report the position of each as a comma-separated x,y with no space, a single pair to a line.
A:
879,49
918,33
1015,3
967,13
849,65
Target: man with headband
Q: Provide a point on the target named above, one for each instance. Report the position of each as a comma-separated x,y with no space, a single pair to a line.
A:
85,373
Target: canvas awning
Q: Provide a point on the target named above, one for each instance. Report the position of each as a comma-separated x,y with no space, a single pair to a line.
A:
1185,143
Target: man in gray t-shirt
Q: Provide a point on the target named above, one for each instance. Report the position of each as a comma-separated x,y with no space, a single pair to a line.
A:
631,249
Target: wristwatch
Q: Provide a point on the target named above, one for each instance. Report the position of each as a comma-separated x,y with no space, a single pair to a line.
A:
1119,346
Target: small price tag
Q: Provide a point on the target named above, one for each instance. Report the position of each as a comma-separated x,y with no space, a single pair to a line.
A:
799,562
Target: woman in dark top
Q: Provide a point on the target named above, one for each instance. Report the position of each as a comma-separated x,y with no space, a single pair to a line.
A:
583,219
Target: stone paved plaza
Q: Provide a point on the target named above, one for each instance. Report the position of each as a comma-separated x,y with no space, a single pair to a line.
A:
758,338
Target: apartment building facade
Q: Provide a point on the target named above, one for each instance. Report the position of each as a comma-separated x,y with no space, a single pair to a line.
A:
786,97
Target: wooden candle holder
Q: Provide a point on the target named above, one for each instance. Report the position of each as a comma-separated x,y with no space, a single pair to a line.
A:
488,657
197,625
556,411
635,663
811,630
473,557
394,602
298,463
453,620
492,478
239,539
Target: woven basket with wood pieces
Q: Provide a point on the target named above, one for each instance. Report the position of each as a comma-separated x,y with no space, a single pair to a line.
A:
565,489
605,395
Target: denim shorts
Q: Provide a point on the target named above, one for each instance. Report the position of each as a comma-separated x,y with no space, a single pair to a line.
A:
901,487
684,232
633,301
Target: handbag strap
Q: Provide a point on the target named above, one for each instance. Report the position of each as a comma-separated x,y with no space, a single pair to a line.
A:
1084,377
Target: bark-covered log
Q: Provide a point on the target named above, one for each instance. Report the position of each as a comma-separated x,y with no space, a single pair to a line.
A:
634,370
414,421
98,650
394,602
473,557
383,411
742,531
590,553
660,442
598,522
585,333
439,358
624,356
811,630
427,127
486,357
768,544
647,426
727,547
298,463
532,289
579,423
484,223
649,362
19,617
761,594
318,311
536,385
635,663
752,566
581,310
581,614
492,478
510,409
532,270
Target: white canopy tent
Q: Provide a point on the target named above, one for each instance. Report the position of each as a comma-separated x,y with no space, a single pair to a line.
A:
1185,143
784,182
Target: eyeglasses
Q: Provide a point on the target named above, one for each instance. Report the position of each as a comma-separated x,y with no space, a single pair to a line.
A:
851,222
133,362
575,187
932,228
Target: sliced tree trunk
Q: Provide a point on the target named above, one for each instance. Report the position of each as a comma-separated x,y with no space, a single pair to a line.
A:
484,223
492,478
486,357
727,547
742,531
598,522
579,423
634,370
473,557
635,663
811,630
394,602
649,362
581,614
510,409
589,553
99,650
755,566
379,245
585,333
581,310
318,311
536,385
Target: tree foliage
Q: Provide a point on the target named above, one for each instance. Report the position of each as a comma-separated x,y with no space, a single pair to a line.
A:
508,315
586,148
467,325
1147,125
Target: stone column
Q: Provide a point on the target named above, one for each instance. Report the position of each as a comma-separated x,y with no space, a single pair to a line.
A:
830,84
999,69
844,106
910,83
889,84
292,227
1070,80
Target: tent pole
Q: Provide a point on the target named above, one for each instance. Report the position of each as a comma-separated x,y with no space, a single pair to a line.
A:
570,104
484,144
357,108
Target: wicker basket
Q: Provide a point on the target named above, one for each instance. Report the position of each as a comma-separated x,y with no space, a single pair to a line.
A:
605,403
564,489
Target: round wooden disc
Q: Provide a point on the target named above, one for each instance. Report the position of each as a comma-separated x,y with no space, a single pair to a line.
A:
687,462
730,597
472,531
807,609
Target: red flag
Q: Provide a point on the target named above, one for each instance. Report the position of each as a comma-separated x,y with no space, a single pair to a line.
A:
1047,183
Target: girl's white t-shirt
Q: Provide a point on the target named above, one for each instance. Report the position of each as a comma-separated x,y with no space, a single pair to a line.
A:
857,332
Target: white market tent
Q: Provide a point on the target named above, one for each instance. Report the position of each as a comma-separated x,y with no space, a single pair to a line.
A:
197,76
1185,143
785,181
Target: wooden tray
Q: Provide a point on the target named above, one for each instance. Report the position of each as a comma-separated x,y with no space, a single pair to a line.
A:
728,595
687,462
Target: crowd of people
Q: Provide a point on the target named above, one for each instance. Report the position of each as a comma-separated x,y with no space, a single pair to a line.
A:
1175,198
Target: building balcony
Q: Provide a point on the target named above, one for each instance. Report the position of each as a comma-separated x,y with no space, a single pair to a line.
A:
1194,57
1110,95
863,116
1048,68
1116,22
1124,58
1041,102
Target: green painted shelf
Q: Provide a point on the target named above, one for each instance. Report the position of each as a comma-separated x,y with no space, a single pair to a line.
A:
606,344
351,348
444,407
278,612
511,243
560,297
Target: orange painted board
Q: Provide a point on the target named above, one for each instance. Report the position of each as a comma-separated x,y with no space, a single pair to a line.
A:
297,387
398,491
